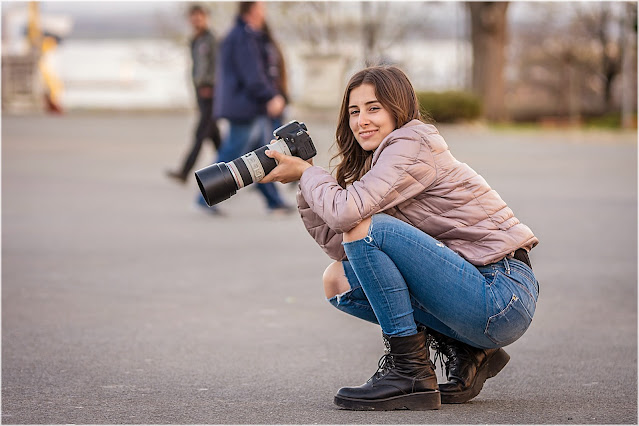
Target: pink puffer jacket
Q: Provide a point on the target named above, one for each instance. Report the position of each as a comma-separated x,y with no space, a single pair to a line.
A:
415,178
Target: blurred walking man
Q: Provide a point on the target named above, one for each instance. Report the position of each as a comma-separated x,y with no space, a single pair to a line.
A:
203,51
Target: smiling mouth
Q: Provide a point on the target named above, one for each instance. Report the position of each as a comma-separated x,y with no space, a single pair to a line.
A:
367,133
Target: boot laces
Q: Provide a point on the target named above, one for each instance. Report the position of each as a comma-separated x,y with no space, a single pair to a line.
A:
449,354
384,365
387,362
442,354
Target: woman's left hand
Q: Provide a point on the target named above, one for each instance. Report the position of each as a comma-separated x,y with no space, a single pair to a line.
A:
289,169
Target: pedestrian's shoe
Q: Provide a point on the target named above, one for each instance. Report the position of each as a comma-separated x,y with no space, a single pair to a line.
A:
176,176
467,368
405,379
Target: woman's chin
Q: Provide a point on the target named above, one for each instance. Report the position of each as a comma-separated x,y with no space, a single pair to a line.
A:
369,145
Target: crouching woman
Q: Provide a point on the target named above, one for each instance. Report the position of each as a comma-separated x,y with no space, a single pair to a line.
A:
422,246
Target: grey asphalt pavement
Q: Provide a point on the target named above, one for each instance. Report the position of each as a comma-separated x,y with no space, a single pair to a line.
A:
122,304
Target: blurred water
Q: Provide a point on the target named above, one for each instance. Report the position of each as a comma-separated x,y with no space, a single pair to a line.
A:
121,74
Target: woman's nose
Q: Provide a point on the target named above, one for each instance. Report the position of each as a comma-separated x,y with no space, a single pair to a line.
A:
363,119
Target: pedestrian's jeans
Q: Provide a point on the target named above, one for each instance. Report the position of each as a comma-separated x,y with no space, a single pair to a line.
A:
247,136
400,277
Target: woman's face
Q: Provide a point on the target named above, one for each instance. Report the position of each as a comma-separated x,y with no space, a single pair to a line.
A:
369,121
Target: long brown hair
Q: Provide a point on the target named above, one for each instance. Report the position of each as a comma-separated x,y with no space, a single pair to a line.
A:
396,94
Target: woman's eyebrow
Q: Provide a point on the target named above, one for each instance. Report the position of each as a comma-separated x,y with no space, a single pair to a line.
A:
367,103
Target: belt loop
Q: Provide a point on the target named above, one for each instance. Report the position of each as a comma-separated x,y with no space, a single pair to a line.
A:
507,265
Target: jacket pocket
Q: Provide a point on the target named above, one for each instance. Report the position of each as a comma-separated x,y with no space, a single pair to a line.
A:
510,324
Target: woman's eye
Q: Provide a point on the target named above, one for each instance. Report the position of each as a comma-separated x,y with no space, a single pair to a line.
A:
354,112
375,108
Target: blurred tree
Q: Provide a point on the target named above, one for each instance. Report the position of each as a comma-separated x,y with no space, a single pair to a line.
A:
378,34
488,38
604,24
629,84
315,23
574,60
373,28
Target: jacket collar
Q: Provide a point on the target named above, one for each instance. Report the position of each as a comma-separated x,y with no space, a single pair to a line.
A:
393,134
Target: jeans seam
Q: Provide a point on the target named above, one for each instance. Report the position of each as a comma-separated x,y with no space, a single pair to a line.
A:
379,285
510,306
526,271
494,300
524,288
513,281
525,309
416,304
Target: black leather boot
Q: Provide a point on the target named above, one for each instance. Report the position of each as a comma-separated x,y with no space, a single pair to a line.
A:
405,379
467,368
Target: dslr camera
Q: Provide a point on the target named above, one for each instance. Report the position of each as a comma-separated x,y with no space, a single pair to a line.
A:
220,181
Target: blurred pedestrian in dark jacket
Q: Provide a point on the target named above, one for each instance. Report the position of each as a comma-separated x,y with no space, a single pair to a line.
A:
250,91
203,52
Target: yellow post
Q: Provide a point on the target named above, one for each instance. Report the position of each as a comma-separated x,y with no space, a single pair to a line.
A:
51,80
34,32
44,48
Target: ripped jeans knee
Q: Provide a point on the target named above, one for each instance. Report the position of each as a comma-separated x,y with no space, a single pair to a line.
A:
353,301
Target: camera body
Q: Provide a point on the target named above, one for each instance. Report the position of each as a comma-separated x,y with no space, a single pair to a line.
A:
297,139
220,181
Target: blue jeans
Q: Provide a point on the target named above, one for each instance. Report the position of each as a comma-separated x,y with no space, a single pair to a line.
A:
400,277
247,136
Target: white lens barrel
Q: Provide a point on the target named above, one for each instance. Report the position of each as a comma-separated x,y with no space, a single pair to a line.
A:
253,164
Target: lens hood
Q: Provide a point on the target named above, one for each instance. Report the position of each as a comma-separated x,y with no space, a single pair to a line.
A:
216,183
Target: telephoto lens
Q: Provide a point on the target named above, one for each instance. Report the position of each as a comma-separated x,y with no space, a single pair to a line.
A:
220,181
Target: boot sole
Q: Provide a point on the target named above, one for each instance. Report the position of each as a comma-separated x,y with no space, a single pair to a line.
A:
419,401
493,366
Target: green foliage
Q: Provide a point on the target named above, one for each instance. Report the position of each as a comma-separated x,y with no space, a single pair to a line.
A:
606,121
450,106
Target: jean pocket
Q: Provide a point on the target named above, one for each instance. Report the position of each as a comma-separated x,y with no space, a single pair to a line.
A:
510,324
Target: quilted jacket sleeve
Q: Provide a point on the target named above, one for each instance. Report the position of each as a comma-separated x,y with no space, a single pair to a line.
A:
404,167
329,240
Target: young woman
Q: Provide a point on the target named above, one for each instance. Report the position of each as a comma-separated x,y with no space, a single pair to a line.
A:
422,245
